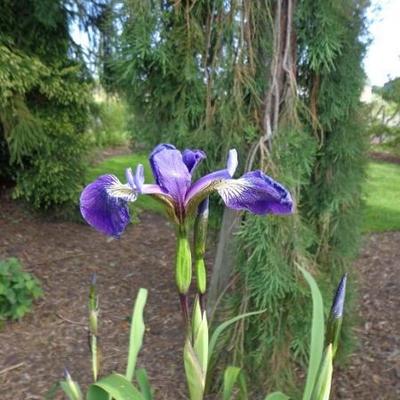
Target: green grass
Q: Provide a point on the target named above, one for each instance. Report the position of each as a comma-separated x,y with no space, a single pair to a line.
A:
382,192
117,166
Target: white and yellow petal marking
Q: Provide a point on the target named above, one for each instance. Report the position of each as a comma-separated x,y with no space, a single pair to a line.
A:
120,190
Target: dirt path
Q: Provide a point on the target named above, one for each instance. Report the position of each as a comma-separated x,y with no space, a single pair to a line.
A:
64,256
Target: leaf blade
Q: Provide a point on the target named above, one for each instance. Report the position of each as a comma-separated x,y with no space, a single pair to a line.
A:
317,334
115,386
136,332
231,375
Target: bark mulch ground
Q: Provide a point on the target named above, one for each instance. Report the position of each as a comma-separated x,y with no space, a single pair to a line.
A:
386,157
64,255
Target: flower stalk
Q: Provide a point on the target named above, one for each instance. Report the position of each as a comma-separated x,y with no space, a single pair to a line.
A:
200,239
93,328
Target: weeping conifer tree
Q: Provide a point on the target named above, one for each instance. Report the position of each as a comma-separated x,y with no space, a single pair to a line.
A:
280,81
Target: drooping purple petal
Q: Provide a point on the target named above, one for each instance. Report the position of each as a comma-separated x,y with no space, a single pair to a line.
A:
204,186
106,213
171,173
192,158
257,193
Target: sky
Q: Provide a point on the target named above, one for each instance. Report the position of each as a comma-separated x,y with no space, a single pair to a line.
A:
383,56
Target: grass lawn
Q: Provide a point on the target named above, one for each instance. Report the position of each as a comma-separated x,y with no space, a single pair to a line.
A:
117,166
382,191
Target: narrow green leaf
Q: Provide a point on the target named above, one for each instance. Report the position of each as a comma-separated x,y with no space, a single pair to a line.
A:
322,388
144,384
223,326
200,345
230,377
243,394
136,333
196,317
317,334
115,386
277,396
194,374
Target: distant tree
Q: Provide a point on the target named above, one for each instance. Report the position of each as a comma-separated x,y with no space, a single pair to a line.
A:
384,114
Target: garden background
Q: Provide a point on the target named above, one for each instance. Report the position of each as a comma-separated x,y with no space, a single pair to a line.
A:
280,81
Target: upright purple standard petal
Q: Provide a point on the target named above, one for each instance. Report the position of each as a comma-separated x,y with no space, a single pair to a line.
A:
257,193
171,173
156,150
192,158
107,214
232,162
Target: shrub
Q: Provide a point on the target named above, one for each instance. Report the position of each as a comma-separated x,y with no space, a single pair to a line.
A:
42,126
17,290
108,123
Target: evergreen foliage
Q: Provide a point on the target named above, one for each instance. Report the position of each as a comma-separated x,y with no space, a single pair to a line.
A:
330,79
190,73
43,104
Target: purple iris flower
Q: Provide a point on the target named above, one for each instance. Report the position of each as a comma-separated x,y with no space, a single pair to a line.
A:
104,202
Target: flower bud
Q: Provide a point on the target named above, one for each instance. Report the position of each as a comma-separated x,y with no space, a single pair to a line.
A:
71,387
334,324
200,237
183,270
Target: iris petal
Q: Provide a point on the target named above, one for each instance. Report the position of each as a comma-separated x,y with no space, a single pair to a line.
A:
156,150
257,193
207,184
171,173
104,211
139,178
192,158
232,162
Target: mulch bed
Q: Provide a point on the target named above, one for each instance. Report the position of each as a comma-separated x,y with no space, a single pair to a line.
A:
373,371
386,157
64,255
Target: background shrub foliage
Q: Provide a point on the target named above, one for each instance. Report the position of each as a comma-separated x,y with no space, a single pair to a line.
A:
44,96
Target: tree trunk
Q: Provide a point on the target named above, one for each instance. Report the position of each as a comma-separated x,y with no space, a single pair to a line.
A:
225,257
